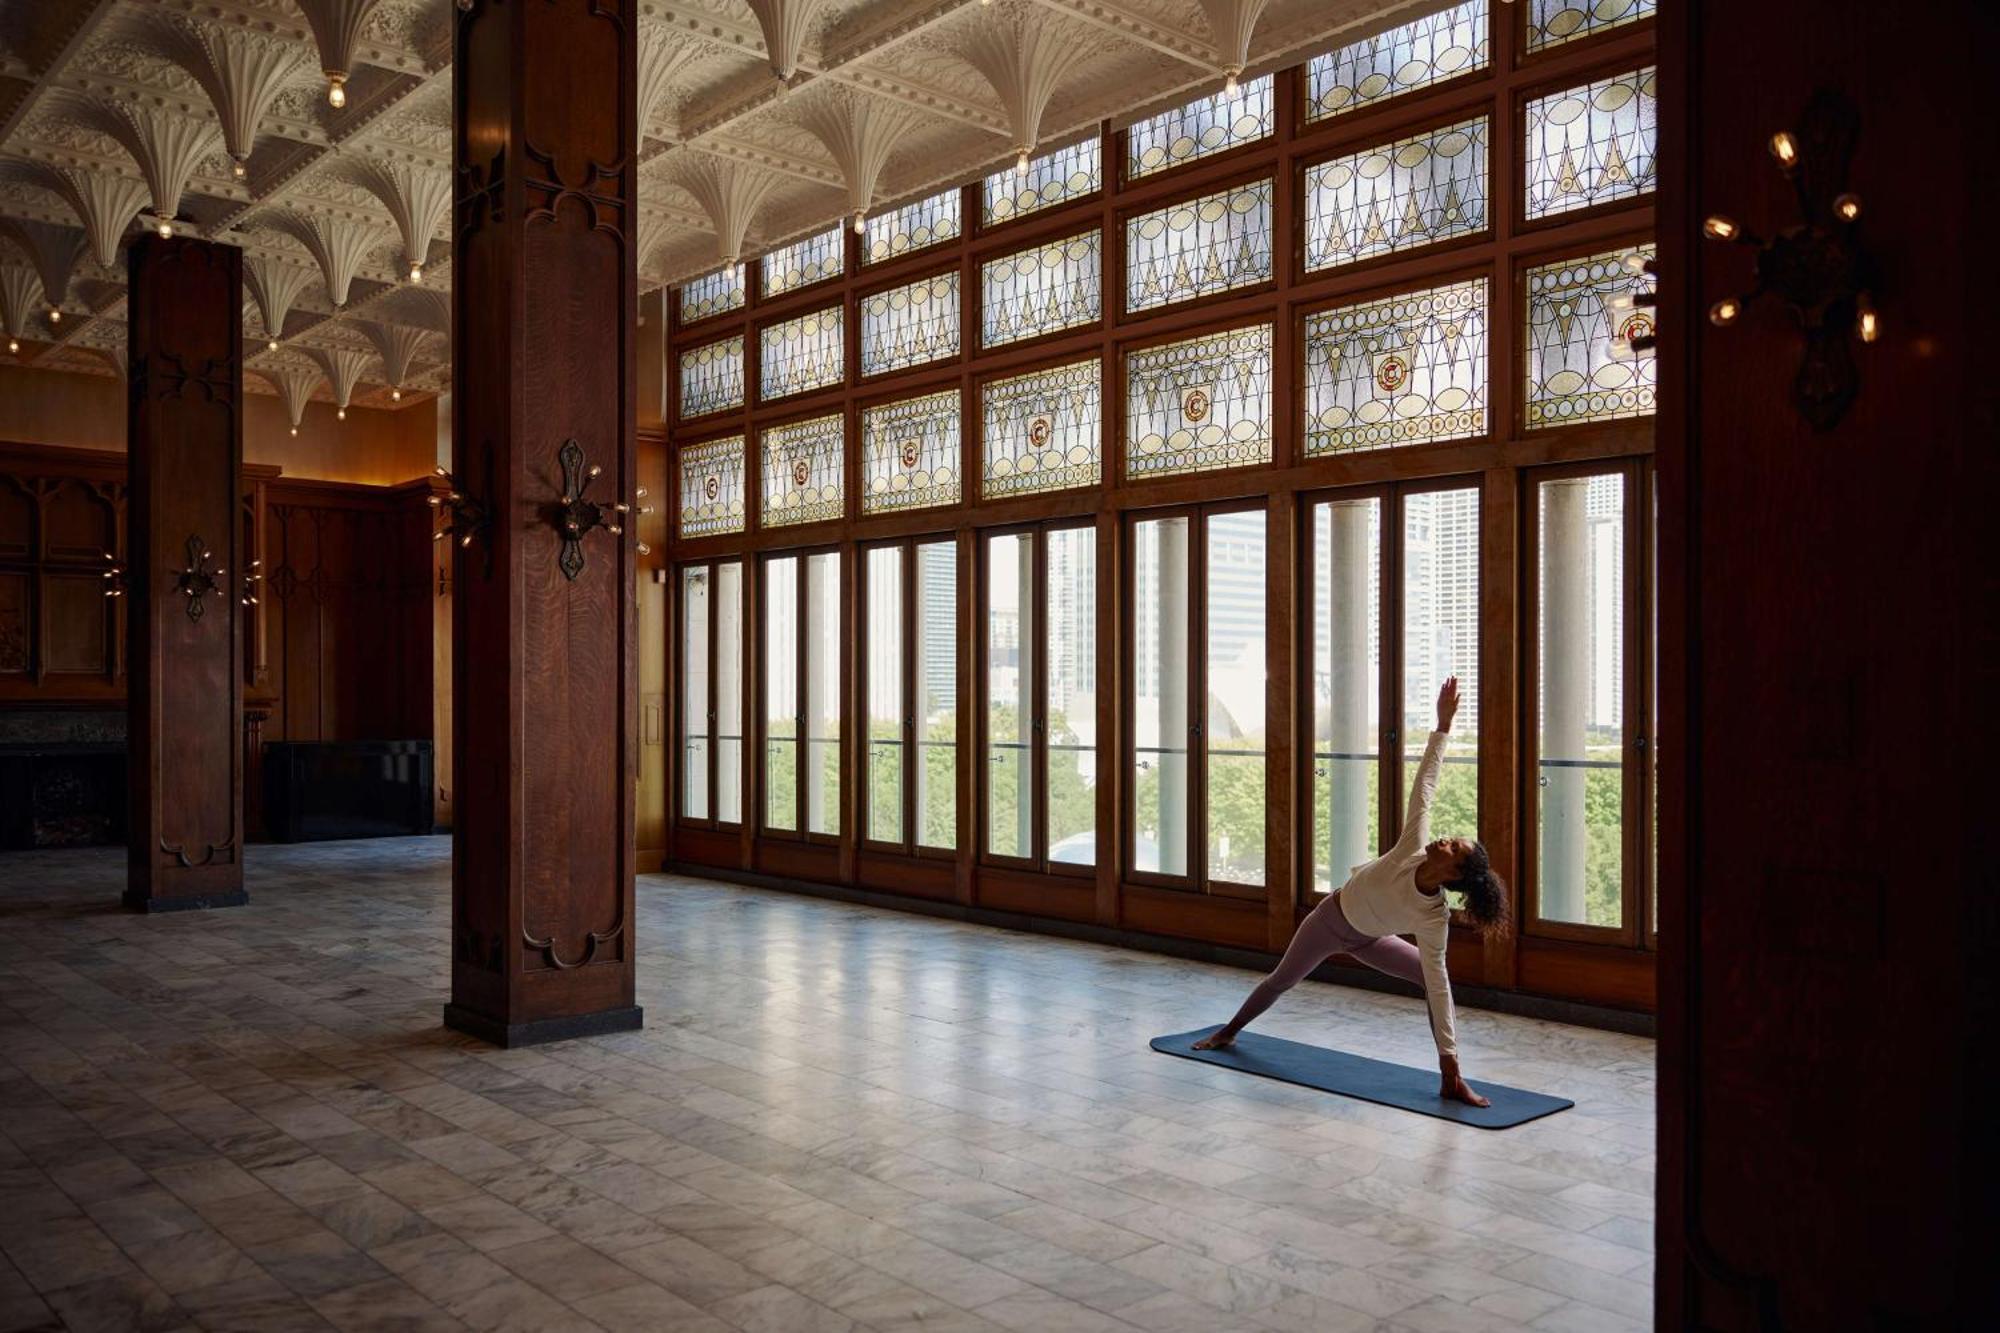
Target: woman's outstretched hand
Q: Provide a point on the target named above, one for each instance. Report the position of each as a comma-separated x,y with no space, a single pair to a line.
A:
1447,703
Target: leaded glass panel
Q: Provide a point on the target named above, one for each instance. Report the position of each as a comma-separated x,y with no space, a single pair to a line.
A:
712,377
1594,144
1552,22
712,498
803,470
808,260
1206,125
1051,179
807,352
1406,369
1199,246
911,324
1200,404
712,293
1580,360
917,225
1042,289
1414,192
1415,55
1040,431
909,453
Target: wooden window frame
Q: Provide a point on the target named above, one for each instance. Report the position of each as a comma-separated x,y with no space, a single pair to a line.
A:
909,759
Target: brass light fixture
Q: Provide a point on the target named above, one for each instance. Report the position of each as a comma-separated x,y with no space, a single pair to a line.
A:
1816,266
199,579
464,517
576,515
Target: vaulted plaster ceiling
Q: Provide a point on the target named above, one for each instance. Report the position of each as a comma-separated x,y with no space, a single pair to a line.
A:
762,120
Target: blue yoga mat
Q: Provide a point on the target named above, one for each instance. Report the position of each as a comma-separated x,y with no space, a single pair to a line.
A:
1357,1076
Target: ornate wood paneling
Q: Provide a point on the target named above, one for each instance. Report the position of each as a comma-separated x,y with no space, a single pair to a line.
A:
185,432
544,720
62,513
1827,908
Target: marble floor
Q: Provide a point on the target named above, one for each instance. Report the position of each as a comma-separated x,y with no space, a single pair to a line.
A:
836,1118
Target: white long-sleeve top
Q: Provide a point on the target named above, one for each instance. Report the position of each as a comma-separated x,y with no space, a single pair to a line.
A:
1382,897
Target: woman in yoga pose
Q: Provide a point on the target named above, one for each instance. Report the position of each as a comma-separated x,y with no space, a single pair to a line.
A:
1398,893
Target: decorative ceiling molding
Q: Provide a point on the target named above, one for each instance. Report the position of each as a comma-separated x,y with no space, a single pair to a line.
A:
860,132
54,250
167,146
20,299
295,385
276,287
398,345
344,367
241,71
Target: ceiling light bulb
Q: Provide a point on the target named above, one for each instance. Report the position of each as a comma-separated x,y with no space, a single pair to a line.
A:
416,272
1021,163
271,346
55,314
395,395
1847,207
860,223
13,345
1866,324
340,414
295,430
1724,312
166,229
1786,149
238,169
1229,84
336,90
1720,228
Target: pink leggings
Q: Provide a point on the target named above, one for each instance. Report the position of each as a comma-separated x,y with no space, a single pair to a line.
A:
1320,936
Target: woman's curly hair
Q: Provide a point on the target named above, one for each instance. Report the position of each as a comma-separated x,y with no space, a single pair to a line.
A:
1485,892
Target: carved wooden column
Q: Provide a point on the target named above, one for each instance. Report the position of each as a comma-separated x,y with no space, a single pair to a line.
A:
544,314
185,433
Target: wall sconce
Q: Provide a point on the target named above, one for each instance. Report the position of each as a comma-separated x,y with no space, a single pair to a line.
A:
1816,267
250,582
200,579
464,517
114,576
575,515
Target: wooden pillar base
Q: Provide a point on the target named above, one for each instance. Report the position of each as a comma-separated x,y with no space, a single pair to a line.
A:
535,1032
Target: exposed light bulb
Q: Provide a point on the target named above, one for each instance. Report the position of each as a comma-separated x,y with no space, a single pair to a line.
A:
1021,163
1724,312
13,345
271,346
239,169
1720,228
336,90
295,430
395,395
1847,207
860,223
340,414
1785,148
1865,322
416,272
1229,83
466,540
166,229
55,314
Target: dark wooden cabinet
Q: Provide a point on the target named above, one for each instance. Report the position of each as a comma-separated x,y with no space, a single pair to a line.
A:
315,790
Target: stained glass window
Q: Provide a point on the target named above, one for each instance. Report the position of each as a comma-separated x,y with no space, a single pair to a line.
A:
808,352
911,324
803,468
712,498
1040,431
712,377
808,260
1201,127
1426,188
1429,50
1199,404
917,225
909,453
1580,360
1552,22
1041,290
711,294
1593,144
1051,179
1199,246
1406,369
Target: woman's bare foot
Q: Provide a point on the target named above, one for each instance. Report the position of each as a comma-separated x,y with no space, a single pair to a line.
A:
1216,1041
